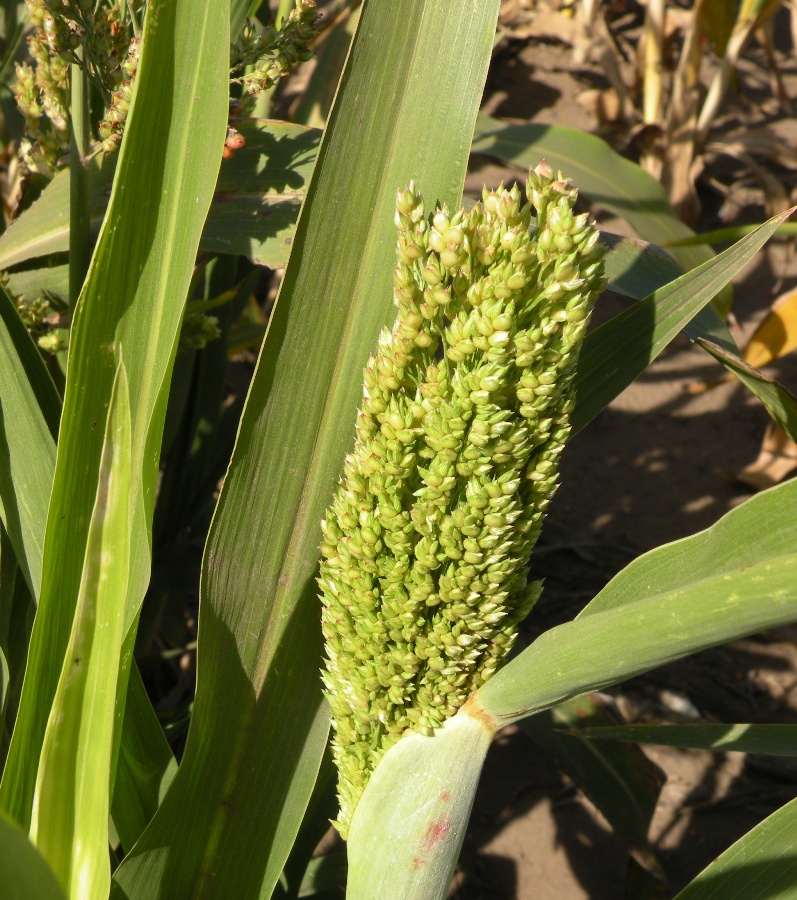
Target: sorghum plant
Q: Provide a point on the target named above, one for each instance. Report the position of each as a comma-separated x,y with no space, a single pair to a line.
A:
467,396
103,38
465,413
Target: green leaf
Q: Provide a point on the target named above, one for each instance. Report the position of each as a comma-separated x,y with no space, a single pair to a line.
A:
321,809
133,296
618,351
24,874
408,827
260,191
636,268
29,413
145,769
763,527
779,401
30,403
773,740
5,679
258,702
759,866
255,206
325,873
17,609
731,580
726,235
71,805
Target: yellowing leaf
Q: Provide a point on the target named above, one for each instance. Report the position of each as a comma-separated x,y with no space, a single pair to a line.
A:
777,334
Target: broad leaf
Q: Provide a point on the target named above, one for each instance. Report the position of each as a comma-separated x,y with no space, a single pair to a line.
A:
24,874
258,705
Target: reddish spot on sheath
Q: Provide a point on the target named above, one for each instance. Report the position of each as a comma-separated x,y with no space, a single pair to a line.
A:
436,832
446,796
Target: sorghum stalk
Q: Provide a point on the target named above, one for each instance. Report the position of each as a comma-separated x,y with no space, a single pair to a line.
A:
465,413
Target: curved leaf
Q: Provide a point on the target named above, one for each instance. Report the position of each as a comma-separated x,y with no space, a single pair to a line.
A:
618,351
29,413
24,873
733,579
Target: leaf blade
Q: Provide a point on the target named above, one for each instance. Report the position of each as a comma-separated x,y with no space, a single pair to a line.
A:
618,351
72,800
774,740
142,262
29,416
24,873
663,606
302,405
760,864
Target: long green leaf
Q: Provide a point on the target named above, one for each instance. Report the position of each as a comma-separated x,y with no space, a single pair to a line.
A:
17,609
24,873
654,632
145,768
763,527
29,412
29,400
72,802
716,586
133,296
774,740
762,865
258,703
619,350
726,235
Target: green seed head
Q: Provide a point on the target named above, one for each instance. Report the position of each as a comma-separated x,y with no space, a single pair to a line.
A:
465,412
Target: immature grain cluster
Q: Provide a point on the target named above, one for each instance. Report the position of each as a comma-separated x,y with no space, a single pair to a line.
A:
465,412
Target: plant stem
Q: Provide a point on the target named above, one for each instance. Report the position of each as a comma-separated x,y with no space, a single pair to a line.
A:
79,210
283,11
654,40
133,19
